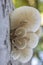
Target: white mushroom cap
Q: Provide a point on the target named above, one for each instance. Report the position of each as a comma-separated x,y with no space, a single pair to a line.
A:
29,15
20,43
26,55
34,39
20,32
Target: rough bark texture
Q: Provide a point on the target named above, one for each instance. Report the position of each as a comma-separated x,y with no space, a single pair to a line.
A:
5,8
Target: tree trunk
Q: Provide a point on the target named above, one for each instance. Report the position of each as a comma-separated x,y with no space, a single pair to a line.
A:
5,8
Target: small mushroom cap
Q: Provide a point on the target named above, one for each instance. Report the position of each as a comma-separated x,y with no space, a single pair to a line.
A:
26,16
26,55
20,43
20,32
34,39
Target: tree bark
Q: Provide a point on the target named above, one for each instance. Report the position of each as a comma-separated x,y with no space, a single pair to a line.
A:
5,8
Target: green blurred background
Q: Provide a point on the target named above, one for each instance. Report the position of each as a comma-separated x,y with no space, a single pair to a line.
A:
38,51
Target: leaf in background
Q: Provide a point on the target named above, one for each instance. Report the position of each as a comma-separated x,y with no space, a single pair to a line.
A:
19,3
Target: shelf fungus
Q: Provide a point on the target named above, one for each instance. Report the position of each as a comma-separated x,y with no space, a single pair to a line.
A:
25,32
